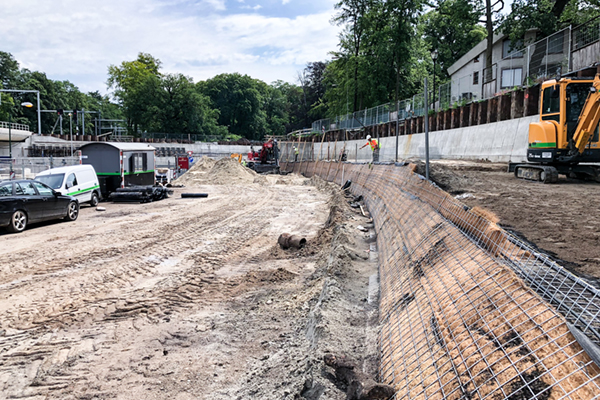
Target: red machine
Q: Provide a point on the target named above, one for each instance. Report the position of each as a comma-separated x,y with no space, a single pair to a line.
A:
268,157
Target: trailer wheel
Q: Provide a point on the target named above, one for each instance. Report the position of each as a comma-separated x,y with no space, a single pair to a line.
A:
95,199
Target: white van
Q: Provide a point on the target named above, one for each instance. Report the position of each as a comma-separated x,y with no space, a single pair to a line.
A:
79,181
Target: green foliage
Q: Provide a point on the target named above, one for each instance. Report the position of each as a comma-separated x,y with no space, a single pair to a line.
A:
53,95
456,22
154,102
547,16
240,101
378,57
134,83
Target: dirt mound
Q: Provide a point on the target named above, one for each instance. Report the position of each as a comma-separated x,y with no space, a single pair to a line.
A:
223,172
204,164
229,170
198,172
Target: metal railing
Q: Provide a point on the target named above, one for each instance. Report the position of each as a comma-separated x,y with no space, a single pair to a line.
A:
15,126
586,34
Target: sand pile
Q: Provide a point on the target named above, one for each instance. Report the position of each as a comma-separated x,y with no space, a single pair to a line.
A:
198,172
223,172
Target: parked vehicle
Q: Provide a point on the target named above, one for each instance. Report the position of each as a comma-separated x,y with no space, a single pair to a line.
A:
79,181
26,201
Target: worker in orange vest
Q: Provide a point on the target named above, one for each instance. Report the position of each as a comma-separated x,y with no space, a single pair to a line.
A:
374,146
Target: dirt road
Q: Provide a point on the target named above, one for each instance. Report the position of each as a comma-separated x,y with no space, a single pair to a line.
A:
187,299
562,218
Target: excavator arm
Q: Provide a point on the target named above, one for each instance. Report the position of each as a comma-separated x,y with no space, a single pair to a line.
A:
588,119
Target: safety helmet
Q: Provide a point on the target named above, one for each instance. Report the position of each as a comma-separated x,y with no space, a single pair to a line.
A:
368,137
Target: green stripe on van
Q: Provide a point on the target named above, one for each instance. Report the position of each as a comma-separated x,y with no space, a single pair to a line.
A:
83,191
119,174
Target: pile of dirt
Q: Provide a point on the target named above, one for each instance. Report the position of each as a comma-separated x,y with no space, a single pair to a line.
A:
226,171
198,172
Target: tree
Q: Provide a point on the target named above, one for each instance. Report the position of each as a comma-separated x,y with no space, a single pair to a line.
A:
547,16
376,56
182,109
276,109
294,105
131,81
353,15
456,22
9,70
240,101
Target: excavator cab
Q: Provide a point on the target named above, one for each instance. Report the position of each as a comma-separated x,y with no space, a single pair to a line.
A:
567,132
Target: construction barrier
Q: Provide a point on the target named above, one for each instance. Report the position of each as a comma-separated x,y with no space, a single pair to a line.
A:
466,309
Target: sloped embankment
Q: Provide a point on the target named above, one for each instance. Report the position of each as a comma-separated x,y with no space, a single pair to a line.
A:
466,310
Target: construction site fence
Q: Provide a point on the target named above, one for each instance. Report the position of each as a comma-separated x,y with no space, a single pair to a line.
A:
524,67
467,310
29,167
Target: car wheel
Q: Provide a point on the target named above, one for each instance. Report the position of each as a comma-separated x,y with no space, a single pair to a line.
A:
18,221
72,211
95,199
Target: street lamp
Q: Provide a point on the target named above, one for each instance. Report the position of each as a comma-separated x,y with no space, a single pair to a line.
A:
24,104
434,57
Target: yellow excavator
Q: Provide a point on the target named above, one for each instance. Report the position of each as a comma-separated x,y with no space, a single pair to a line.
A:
565,140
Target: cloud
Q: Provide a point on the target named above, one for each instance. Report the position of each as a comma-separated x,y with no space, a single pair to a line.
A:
197,38
255,8
216,4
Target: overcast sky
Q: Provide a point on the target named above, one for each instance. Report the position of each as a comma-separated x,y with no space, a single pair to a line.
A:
77,40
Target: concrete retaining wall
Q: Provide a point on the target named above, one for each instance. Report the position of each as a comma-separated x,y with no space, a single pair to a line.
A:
497,142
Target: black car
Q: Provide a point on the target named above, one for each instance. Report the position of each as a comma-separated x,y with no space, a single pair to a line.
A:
26,201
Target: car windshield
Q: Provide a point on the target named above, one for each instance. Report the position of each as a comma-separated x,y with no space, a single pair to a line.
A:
54,181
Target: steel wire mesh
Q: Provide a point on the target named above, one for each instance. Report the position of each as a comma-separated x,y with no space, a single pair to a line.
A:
466,309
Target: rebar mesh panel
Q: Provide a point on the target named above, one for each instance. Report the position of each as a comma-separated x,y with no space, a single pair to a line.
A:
467,310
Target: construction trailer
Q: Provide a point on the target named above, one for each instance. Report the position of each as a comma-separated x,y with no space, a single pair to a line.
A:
120,165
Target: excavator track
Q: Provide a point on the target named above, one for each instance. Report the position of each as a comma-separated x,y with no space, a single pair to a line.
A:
540,173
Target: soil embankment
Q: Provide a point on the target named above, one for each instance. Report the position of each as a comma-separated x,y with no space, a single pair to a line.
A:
562,219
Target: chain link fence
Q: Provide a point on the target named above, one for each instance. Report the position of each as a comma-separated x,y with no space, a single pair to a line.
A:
586,34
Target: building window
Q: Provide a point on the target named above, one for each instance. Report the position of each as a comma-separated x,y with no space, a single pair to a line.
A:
511,77
476,59
476,78
512,51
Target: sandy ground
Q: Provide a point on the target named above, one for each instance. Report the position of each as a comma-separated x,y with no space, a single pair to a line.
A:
189,298
562,218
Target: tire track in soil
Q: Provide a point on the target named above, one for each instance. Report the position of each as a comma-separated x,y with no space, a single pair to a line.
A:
114,286
173,242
